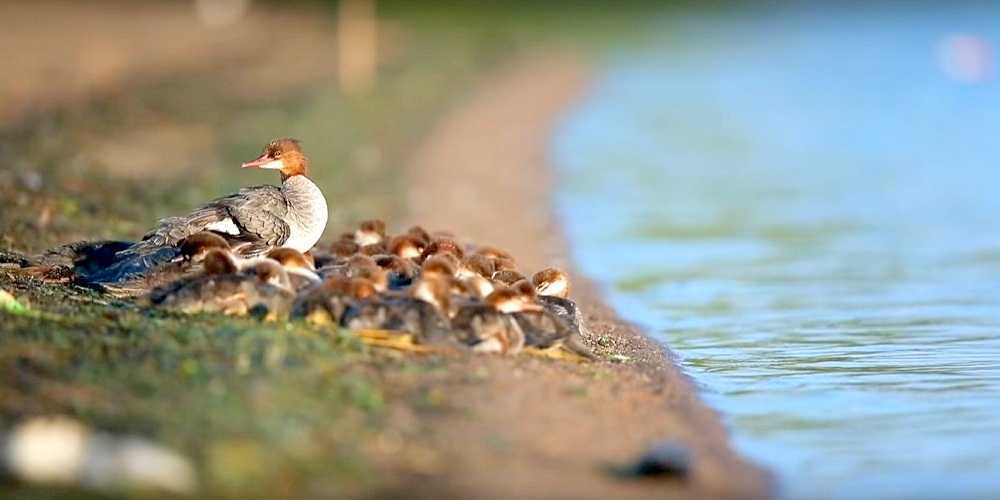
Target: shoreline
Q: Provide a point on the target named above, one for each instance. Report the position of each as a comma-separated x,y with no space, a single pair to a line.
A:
484,173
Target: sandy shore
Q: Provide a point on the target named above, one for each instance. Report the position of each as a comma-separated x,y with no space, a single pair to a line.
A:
483,173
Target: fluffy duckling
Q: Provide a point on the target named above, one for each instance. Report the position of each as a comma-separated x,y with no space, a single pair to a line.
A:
487,327
442,265
407,246
343,249
326,303
262,288
374,249
370,232
476,265
422,312
420,234
301,272
507,277
542,328
552,288
493,253
444,246
400,271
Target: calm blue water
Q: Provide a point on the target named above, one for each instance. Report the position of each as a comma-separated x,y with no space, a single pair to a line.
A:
804,203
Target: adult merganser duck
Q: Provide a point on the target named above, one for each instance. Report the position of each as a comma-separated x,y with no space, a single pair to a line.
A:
254,219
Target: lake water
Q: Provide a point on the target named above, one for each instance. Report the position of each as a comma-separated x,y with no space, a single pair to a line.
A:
804,203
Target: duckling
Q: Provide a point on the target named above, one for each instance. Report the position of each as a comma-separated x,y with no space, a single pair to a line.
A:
422,312
476,264
552,288
507,277
480,285
504,265
542,328
487,328
407,246
443,265
444,245
400,272
420,234
374,249
343,249
363,266
300,271
326,303
370,232
493,253
262,287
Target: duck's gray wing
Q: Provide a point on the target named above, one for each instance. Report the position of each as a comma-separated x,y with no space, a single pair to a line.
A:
254,214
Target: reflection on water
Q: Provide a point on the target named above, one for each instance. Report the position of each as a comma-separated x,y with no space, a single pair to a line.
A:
805,205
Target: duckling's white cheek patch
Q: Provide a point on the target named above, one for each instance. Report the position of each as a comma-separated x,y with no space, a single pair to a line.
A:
225,226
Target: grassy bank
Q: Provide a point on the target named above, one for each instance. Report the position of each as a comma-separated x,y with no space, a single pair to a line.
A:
262,410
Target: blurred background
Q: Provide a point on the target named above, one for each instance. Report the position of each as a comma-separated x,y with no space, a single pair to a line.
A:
798,198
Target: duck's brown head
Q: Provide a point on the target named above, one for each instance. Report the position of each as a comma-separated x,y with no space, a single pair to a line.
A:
551,282
284,155
196,246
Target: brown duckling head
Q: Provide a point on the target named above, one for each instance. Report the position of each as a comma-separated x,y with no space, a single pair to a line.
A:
476,264
407,246
508,300
370,232
507,277
290,258
420,234
196,246
344,248
434,290
442,265
551,282
493,253
269,271
444,245
218,261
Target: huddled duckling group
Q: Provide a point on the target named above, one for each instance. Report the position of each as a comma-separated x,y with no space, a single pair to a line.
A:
415,289
254,252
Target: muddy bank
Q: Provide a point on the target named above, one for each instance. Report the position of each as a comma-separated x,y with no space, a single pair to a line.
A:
482,173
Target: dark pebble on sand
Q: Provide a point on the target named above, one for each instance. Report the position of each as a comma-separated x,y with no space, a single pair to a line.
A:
663,460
